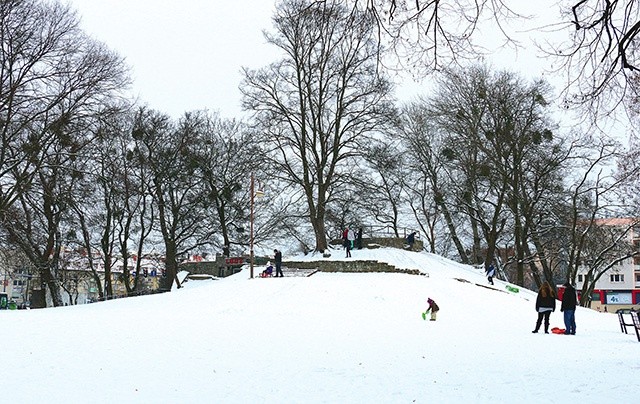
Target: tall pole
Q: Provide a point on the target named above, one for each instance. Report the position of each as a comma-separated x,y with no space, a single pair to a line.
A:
251,227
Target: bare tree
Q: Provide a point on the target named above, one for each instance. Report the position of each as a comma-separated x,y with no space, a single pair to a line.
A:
431,35
599,59
604,244
51,72
227,152
428,178
133,199
594,241
112,209
496,127
382,191
322,102
168,152
55,82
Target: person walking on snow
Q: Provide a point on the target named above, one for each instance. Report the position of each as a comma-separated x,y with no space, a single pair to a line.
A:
545,304
433,307
568,307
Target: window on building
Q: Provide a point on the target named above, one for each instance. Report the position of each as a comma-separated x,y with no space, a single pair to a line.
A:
616,277
637,277
580,278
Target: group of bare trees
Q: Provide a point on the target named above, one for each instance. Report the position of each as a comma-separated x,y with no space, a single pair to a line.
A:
56,82
479,165
82,168
493,172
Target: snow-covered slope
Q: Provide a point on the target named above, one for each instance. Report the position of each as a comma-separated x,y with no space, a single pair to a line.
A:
328,338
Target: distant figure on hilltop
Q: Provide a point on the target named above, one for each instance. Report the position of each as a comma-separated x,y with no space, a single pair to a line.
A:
345,242
359,239
411,239
545,304
351,236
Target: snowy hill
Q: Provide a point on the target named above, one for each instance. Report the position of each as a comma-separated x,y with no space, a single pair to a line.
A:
328,338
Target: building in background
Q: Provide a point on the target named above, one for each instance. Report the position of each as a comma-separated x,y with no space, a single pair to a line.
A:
618,287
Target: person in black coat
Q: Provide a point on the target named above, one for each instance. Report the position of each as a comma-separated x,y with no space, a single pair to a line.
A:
278,259
411,238
545,304
568,306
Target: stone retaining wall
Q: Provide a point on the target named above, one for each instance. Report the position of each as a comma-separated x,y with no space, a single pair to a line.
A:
355,266
377,242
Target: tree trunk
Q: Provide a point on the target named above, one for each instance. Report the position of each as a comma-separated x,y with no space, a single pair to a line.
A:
51,283
320,233
464,257
171,266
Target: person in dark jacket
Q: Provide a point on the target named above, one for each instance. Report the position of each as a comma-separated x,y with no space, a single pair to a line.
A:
545,304
569,308
345,242
491,272
278,259
411,238
433,308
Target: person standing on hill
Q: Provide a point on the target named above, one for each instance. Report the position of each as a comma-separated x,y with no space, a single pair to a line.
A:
347,246
278,259
351,236
569,308
491,272
359,239
545,304
411,238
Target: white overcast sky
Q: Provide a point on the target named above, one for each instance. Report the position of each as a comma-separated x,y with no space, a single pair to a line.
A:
184,55
187,55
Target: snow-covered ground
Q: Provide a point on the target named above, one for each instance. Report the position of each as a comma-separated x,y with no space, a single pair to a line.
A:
328,338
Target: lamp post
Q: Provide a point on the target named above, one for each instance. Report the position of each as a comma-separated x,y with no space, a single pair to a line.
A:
254,193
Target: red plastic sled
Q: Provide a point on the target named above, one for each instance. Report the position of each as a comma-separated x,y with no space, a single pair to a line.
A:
557,330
